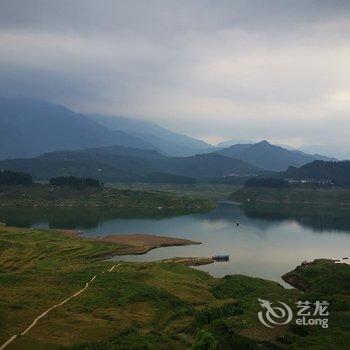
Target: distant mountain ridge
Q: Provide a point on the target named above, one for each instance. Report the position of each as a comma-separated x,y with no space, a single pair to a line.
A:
125,151
228,143
269,157
29,128
205,166
124,164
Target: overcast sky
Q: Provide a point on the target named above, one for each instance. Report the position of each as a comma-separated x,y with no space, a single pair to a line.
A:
276,70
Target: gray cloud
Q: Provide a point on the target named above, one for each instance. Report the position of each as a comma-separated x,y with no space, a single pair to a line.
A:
215,69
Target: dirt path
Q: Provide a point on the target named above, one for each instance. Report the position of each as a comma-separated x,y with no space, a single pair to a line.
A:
14,337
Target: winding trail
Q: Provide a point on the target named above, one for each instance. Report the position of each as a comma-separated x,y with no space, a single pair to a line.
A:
14,337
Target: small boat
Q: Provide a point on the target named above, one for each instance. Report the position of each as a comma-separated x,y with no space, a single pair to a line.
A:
79,232
221,257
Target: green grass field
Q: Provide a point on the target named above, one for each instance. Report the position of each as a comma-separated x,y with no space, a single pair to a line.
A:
142,305
208,191
44,195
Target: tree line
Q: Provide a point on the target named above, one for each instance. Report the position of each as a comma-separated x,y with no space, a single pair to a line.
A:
11,178
15,178
73,181
209,314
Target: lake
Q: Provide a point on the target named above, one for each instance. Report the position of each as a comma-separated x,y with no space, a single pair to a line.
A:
270,240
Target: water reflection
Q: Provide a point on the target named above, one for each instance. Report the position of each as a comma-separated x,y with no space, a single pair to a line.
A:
264,216
269,241
74,218
318,218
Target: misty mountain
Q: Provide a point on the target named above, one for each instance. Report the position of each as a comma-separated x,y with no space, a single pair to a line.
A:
269,157
174,144
330,150
127,164
30,127
337,172
228,143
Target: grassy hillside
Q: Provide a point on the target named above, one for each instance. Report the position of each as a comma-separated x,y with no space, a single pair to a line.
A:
51,196
321,276
331,196
161,305
213,192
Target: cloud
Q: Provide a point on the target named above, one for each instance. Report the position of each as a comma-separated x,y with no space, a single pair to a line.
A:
215,69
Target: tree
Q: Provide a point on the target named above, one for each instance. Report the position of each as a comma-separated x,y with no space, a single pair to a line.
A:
204,341
15,178
73,181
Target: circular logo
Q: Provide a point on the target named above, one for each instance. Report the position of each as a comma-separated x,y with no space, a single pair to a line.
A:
274,315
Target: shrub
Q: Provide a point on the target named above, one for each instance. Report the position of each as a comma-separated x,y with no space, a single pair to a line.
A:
204,341
209,314
302,331
75,181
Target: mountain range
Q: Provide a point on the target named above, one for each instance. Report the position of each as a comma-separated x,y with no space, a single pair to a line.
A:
119,163
30,127
48,140
266,156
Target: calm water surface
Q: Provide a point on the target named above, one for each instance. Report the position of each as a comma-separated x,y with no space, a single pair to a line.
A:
269,241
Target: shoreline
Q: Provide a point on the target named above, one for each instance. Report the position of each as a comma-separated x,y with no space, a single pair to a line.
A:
39,196
135,243
337,197
345,205
59,265
143,243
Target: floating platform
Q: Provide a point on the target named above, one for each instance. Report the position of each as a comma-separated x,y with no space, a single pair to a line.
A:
221,257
